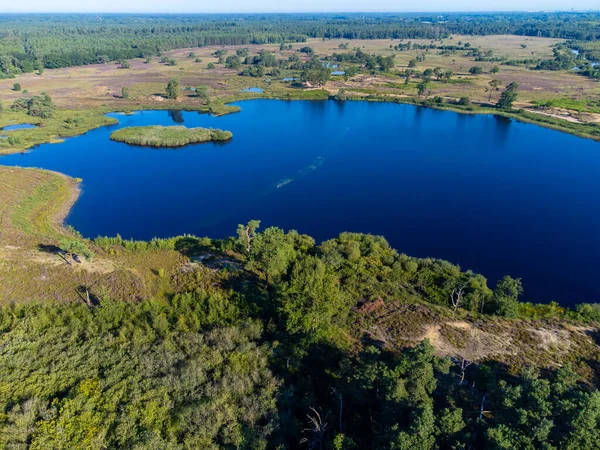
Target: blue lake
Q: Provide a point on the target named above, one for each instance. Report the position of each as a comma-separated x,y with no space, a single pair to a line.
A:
488,193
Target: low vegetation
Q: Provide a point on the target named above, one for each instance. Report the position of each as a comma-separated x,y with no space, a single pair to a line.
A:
62,123
173,136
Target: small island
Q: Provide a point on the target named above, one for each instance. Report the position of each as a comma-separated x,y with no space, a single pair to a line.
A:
173,136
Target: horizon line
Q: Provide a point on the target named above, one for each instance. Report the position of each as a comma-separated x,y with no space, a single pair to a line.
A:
311,12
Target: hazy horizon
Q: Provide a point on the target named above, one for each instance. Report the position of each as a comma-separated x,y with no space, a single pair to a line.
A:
308,6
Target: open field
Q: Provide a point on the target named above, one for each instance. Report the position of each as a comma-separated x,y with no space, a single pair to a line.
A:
503,45
557,99
98,88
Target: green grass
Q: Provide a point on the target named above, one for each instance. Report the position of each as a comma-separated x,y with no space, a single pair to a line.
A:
175,136
33,201
280,91
591,106
33,214
64,123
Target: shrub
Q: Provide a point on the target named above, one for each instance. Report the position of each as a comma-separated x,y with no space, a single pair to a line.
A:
172,89
75,247
37,106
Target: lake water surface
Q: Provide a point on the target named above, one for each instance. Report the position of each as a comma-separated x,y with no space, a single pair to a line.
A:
485,192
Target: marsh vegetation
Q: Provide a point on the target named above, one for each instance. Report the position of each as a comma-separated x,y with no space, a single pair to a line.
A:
171,136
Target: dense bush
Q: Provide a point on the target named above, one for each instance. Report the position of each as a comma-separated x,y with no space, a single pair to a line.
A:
126,375
36,106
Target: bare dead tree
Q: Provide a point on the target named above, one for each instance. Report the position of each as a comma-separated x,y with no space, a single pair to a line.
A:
481,408
247,233
87,298
247,238
317,429
456,297
462,364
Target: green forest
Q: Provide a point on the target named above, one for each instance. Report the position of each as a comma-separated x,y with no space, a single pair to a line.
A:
263,347
31,43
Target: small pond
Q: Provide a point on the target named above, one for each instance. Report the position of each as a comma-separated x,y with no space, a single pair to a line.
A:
252,89
19,126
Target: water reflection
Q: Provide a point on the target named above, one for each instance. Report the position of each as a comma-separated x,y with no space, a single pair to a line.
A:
176,115
502,129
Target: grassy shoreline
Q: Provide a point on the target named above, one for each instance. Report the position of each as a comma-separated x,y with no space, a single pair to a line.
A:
582,130
35,203
65,125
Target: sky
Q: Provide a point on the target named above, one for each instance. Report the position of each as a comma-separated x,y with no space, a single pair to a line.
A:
203,6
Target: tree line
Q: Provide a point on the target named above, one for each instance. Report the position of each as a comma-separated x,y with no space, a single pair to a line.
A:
35,42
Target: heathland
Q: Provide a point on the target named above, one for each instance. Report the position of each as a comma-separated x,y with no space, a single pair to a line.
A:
266,339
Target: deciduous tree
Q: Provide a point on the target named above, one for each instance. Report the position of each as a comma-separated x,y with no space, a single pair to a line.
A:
172,90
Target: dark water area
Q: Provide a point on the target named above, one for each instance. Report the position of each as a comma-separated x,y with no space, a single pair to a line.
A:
491,194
